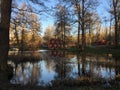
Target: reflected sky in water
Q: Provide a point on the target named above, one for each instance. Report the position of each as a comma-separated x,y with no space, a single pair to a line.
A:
58,65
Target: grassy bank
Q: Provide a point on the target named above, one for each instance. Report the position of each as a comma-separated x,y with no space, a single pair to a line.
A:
97,50
19,87
85,88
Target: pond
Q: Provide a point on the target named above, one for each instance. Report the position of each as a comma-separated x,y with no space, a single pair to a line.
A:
59,65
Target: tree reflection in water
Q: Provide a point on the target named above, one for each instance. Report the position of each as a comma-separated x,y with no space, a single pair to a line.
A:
26,73
59,65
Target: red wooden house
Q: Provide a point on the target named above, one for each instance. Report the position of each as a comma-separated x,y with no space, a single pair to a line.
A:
55,44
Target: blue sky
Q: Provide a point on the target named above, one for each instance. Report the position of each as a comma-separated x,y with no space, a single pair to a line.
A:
47,19
102,8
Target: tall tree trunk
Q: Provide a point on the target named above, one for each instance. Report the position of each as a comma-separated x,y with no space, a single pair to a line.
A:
16,35
83,26
110,33
89,34
115,2
78,29
4,32
79,26
22,48
64,33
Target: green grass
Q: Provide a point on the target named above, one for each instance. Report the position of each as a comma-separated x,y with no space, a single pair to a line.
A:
103,50
97,50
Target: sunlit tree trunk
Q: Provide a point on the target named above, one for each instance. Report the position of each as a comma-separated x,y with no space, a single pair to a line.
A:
64,33
16,35
89,34
14,22
83,26
78,28
22,40
4,32
110,32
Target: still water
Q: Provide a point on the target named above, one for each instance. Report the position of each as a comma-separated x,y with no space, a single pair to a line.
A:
58,65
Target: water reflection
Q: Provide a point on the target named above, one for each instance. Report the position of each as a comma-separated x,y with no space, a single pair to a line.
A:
26,73
58,65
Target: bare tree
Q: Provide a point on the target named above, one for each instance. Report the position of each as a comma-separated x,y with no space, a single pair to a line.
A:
62,23
93,22
4,30
26,24
115,11
48,34
82,7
